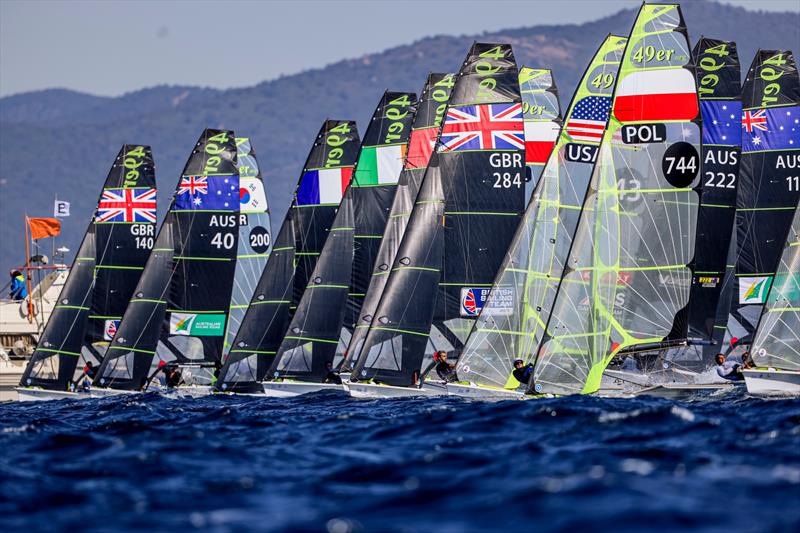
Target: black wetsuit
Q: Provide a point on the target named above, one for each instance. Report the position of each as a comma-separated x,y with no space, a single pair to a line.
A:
446,372
174,378
333,377
523,375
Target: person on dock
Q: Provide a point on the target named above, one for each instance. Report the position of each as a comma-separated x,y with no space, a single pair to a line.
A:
522,372
730,370
18,289
444,369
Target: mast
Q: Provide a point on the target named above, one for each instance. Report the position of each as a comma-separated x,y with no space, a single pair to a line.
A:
255,236
180,305
469,204
777,339
512,322
325,175
769,184
424,132
322,324
107,267
626,283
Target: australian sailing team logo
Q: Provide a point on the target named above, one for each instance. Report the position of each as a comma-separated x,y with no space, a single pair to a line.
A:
110,329
127,205
483,127
754,290
197,325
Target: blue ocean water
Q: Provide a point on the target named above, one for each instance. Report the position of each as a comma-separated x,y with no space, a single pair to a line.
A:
325,462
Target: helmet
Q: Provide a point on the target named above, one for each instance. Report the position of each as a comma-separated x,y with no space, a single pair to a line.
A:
162,364
520,361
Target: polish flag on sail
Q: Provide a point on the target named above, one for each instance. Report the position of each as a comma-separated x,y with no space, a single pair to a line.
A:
540,136
652,95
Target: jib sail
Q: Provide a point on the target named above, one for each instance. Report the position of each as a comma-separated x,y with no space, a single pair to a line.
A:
255,236
104,274
777,339
469,205
512,322
769,182
325,176
627,279
322,323
179,307
424,132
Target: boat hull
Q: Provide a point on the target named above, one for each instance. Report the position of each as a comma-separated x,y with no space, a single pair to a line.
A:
375,390
288,389
100,392
25,394
772,382
482,393
677,391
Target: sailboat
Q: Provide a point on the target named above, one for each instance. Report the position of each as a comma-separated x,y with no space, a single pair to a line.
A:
322,324
179,309
776,346
107,267
626,282
424,132
769,184
469,205
320,188
688,369
511,325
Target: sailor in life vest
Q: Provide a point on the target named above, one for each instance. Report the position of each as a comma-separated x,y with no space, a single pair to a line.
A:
18,289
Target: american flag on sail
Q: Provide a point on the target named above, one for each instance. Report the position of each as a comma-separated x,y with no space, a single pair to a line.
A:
127,205
483,127
587,122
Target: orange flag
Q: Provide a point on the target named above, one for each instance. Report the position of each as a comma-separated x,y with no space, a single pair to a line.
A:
44,227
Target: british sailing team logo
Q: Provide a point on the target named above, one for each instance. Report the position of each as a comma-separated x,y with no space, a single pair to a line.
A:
110,329
754,290
472,300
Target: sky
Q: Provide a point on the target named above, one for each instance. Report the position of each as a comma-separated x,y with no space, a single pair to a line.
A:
110,47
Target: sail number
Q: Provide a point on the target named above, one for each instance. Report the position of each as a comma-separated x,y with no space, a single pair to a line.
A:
506,180
723,180
794,183
259,239
335,139
132,161
223,240
680,164
143,235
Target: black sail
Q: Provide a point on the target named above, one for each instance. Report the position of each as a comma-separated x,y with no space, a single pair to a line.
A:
179,308
769,184
314,205
424,132
105,272
322,323
466,213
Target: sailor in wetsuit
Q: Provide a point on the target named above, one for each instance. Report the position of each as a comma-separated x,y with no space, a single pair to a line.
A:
172,375
331,376
522,372
446,371
730,370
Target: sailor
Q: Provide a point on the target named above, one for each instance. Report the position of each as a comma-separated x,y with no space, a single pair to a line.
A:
522,372
331,376
89,372
747,361
446,371
172,374
729,370
18,289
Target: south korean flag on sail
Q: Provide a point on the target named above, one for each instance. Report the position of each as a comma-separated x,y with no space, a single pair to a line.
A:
252,198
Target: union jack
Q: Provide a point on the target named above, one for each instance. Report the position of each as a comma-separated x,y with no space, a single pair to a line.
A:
483,127
757,120
127,205
193,185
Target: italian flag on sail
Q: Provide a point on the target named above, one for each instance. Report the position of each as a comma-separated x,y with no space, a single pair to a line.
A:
653,95
380,165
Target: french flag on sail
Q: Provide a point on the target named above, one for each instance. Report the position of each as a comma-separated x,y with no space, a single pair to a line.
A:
540,136
654,95
325,186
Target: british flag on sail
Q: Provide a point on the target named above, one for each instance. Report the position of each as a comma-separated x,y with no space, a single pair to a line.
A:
127,205
483,127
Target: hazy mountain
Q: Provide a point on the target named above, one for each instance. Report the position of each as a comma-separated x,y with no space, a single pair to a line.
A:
60,141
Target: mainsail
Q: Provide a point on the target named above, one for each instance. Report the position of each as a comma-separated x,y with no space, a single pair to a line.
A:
105,272
179,307
468,207
626,283
322,323
777,339
424,132
512,322
255,236
319,191
541,114
769,182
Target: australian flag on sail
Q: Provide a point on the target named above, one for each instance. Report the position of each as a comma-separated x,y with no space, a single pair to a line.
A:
588,119
776,128
214,193
721,121
483,127
127,205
